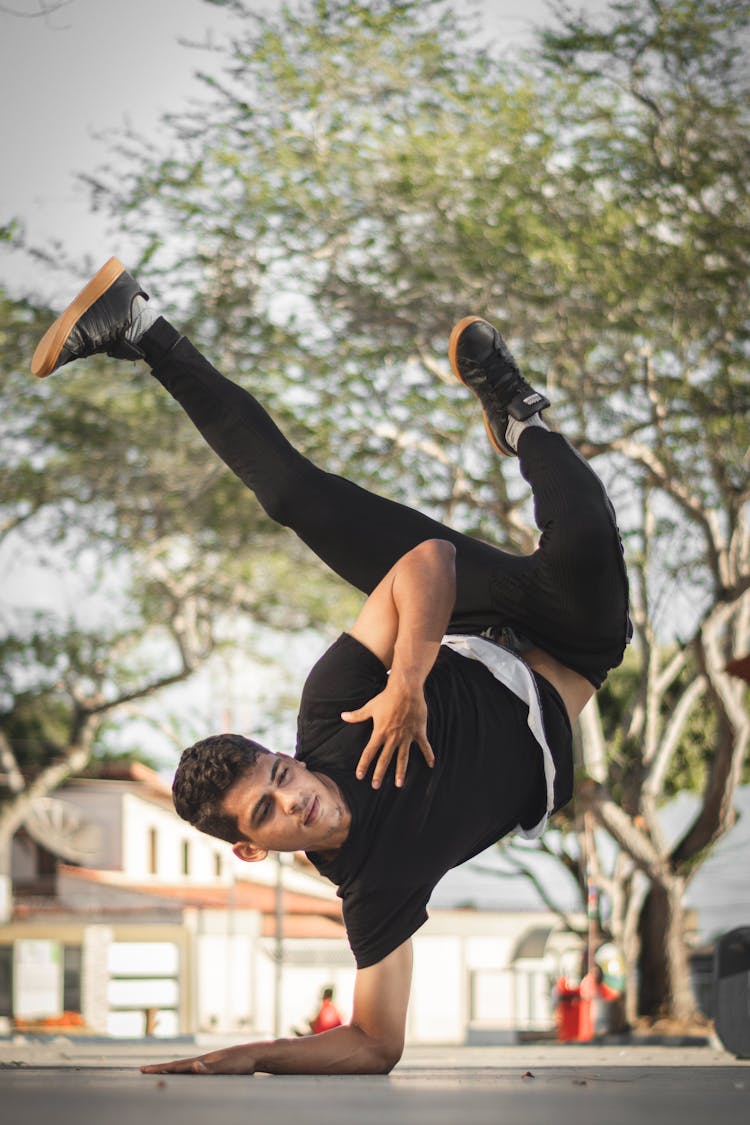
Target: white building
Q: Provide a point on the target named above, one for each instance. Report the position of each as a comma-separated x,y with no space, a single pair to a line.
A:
157,928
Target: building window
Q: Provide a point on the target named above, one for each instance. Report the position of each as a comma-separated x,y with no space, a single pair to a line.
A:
6,980
72,959
153,851
185,857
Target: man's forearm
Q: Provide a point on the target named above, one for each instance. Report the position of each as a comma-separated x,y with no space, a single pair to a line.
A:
424,594
402,623
343,1050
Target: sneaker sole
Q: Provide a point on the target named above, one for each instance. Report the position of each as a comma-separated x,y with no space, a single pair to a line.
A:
457,331
48,349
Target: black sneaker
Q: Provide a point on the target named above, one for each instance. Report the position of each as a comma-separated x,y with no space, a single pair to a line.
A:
97,320
482,361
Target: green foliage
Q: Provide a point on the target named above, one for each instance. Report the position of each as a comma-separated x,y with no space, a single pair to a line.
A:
690,763
361,175
358,176
105,758
135,540
36,727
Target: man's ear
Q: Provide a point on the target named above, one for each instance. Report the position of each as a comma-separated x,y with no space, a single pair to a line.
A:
248,852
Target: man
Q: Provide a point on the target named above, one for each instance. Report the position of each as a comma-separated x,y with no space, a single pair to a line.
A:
328,1015
492,729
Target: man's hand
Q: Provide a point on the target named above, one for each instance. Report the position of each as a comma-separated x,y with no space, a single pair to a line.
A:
231,1060
399,719
402,623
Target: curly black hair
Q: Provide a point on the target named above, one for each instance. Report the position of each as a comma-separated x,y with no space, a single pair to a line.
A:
204,774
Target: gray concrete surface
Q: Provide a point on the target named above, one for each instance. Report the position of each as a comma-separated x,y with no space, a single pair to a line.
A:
98,1083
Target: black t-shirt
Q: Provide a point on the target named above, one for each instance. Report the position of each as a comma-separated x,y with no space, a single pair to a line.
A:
487,779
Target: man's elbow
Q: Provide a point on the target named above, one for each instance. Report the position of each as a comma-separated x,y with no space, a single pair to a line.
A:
440,552
380,1054
442,548
386,1056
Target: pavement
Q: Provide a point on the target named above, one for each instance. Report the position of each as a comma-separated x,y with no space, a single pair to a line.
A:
97,1082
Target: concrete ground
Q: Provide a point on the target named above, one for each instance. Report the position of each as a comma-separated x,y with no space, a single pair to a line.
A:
96,1082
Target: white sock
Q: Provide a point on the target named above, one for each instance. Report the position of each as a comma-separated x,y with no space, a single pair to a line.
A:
143,317
514,429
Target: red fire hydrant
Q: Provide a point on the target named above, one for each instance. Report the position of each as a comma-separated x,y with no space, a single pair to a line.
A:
574,1009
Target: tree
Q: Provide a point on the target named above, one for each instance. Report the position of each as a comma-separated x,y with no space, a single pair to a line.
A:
44,9
141,534
664,132
361,175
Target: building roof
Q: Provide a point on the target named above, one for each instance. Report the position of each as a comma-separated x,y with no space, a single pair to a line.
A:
148,781
305,915
243,894
303,926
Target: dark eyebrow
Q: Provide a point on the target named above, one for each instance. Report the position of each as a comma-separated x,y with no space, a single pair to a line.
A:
255,815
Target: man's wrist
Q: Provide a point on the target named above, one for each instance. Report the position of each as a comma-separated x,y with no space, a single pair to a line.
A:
412,665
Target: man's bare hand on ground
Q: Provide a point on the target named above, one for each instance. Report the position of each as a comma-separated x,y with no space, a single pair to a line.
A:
230,1060
399,719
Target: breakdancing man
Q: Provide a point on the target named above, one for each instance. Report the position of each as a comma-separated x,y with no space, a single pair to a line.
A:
480,658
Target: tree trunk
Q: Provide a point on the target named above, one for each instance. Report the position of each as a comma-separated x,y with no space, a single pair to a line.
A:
630,946
665,990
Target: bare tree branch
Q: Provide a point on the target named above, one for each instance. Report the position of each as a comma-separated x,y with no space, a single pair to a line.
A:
670,737
621,828
11,775
46,8
76,755
594,744
522,871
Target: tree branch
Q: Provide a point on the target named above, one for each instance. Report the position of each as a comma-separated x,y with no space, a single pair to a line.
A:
671,484
717,810
594,745
45,9
142,692
522,871
618,823
74,759
671,671
11,775
670,738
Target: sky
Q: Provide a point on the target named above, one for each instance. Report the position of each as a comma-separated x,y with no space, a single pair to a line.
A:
70,79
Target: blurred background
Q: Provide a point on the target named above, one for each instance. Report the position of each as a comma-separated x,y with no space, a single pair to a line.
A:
315,192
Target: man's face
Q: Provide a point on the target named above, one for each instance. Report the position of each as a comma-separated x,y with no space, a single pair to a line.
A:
282,806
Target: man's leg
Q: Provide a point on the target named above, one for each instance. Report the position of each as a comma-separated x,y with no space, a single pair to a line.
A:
357,534
570,597
360,535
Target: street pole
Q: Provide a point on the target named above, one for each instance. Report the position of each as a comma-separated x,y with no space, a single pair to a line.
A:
278,958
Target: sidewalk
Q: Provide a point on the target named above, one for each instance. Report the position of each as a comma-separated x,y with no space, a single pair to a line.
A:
63,1051
94,1081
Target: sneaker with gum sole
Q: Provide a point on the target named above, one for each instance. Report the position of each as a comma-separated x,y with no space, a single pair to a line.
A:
96,321
482,361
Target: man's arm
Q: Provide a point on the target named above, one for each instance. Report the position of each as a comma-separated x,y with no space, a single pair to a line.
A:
403,622
371,1044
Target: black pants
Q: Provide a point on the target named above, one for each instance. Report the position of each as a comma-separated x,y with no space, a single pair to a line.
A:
570,597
